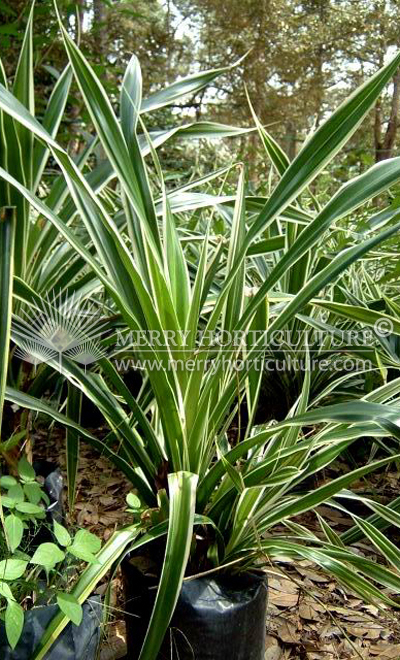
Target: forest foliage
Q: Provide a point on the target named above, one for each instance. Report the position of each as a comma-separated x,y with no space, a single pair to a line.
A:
296,61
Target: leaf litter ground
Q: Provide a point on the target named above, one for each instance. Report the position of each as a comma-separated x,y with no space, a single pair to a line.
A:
310,615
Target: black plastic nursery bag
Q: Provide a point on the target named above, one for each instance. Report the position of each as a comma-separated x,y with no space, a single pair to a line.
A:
216,618
74,643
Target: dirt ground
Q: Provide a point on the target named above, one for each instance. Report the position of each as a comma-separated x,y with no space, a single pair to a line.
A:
310,616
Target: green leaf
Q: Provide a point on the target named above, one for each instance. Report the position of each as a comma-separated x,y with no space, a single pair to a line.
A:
131,175
182,491
51,121
16,494
29,508
318,496
48,555
33,492
12,569
5,590
14,621
330,534
235,476
278,157
7,239
382,322
62,535
350,196
14,440
133,501
91,576
197,130
324,144
176,266
85,545
32,403
7,502
23,90
14,529
245,510
282,476
326,558
189,85
71,607
379,540
74,405
25,470
131,98
8,481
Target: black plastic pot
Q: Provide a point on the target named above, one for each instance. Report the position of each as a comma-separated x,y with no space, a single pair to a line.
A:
74,643
53,486
216,617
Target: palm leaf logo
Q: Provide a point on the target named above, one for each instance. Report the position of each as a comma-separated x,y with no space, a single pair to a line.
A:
63,325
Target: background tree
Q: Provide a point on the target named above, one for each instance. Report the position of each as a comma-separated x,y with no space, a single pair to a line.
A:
303,57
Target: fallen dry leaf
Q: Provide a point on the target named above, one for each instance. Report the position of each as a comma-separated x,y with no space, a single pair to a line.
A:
288,633
384,652
312,575
310,610
272,649
372,632
283,592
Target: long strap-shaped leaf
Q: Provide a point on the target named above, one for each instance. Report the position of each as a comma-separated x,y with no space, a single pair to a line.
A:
114,253
182,490
103,232
78,246
353,412
248,503
188,85
324,144
130,172
266,519
384,517
32,403
278,157
51,122
350,196
389,550
384,322
11,159
329,560
74,406
7,238
24,92
107,556
321,279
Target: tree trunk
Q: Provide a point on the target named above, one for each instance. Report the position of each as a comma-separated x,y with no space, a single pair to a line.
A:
384,147
79,22
100,32
259,100
291,139
99,24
